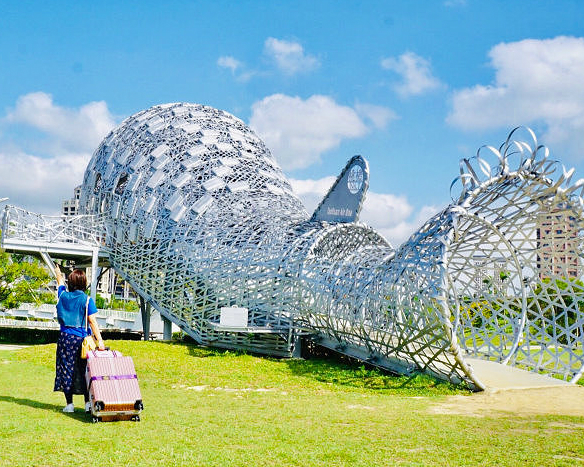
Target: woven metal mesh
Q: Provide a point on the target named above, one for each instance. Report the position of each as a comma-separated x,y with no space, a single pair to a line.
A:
200,217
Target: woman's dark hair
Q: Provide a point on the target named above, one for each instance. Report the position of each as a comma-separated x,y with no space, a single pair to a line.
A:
77,280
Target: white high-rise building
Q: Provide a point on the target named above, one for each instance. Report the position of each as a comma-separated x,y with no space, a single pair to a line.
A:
70,207
490,274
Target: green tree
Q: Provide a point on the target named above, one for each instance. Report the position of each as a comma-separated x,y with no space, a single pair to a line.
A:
100,302
22,279
127,305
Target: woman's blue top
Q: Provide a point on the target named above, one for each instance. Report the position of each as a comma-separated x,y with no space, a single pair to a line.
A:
71,311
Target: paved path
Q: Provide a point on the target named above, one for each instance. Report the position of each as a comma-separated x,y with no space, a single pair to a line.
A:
496,376
11,347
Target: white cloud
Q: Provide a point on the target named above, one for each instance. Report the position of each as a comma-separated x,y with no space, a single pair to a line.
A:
71,135
415,72
40,184
400,232
76,130
229,62
391,215
238,69
376,114
298,131
289,56
311,191
384,210
536,82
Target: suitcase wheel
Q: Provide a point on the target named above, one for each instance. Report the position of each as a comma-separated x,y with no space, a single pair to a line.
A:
138,405
136,418
94,419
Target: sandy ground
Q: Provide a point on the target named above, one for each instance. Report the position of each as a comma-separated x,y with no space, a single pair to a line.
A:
512,391
566,400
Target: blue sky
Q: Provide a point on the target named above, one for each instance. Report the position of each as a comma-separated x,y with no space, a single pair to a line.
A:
412,86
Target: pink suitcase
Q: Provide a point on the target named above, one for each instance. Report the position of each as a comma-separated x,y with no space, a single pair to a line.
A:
113,387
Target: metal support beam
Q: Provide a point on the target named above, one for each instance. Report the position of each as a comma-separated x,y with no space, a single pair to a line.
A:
49,262
94,265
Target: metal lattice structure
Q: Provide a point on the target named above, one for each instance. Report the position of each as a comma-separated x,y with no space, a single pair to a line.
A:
198,216
20,224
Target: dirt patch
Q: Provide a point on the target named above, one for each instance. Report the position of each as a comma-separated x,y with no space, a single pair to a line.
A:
568,400
234,390
360,407
569,458
571,426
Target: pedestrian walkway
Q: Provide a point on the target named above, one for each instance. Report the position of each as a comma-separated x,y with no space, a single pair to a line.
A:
496,376
11,347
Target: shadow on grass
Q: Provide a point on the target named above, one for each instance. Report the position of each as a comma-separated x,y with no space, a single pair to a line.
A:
79,416
358,375
200,351
329,367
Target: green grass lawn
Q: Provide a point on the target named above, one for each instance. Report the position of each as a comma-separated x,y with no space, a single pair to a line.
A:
214,408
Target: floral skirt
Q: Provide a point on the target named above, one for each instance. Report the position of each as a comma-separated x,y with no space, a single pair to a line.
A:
70,367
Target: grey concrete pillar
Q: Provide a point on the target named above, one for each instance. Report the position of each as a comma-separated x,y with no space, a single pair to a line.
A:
297,351
145,311
167,334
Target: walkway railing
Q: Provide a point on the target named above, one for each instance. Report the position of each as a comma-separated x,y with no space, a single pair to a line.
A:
44,316
18,323
24,226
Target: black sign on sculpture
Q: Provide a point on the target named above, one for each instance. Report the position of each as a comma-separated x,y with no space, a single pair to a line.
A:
344,200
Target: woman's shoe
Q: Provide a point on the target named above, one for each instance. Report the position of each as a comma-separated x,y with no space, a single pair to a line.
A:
69,408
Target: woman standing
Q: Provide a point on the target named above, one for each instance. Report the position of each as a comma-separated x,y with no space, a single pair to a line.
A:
71,307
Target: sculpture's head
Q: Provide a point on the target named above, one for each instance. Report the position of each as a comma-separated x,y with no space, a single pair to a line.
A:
172,167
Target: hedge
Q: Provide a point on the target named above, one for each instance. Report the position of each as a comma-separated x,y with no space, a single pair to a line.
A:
9,335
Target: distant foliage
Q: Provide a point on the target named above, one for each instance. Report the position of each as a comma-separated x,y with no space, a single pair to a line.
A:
23,280
126,305
100,302
116,304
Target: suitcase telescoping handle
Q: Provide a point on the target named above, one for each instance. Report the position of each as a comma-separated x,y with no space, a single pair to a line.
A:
104,353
